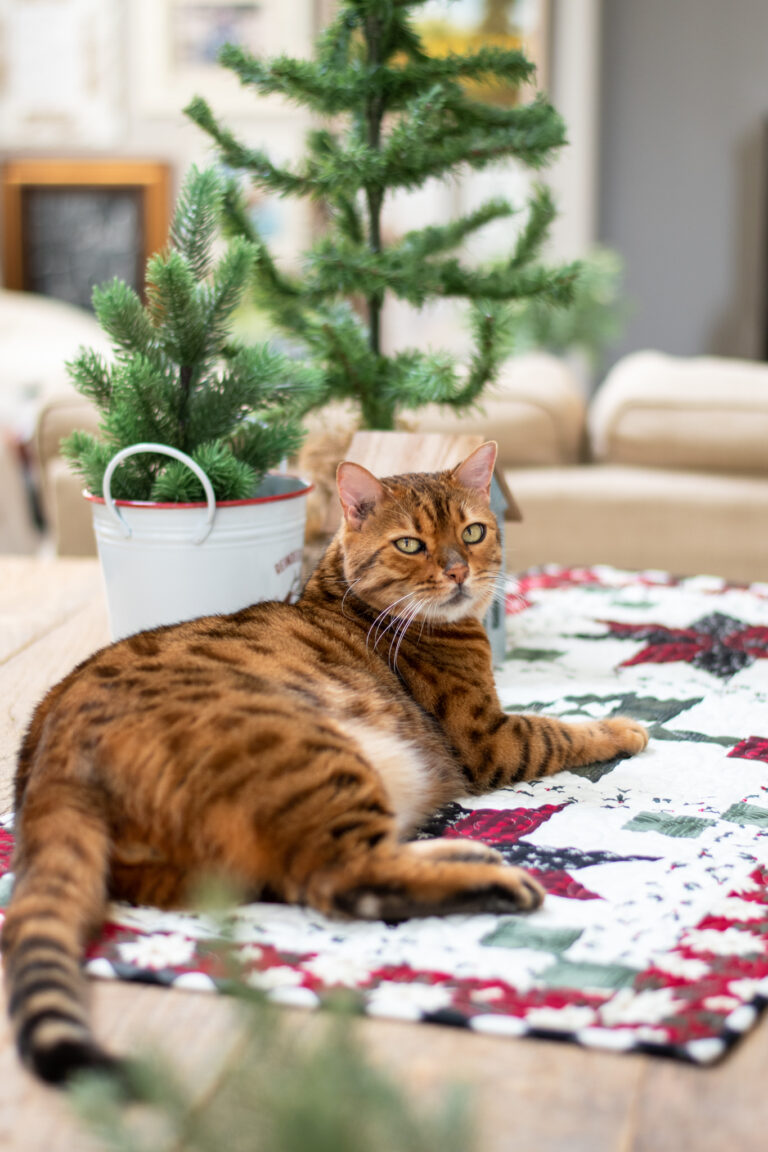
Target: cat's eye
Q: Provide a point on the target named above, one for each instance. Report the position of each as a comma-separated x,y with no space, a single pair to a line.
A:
473,533
409,545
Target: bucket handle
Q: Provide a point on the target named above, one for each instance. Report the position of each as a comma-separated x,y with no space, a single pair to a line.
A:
165,450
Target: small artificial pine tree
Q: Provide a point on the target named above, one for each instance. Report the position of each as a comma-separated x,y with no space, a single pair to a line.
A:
178,377
395,117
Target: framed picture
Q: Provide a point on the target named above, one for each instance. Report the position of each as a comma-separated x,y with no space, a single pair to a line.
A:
69,225
61,75
467,25
176,45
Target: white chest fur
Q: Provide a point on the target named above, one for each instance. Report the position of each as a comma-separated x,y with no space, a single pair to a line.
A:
403,768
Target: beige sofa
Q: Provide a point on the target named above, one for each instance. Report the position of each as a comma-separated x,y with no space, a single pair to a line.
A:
668,469
37,336
676,475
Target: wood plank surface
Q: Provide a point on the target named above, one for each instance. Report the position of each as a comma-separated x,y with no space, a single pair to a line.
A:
36,595
528,1095
45,645
198,1033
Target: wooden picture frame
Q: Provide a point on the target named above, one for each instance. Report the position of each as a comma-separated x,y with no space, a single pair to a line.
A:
70,224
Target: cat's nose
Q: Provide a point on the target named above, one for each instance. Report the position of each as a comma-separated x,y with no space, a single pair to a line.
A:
457,571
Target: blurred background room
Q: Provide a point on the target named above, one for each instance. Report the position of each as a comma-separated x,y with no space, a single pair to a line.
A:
661,191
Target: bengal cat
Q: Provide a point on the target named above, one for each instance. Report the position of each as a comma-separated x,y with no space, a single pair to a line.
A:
292,749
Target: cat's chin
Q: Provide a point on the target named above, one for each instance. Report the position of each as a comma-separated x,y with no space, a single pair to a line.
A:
457,606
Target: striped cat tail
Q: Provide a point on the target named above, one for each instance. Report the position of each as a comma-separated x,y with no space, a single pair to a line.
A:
59,897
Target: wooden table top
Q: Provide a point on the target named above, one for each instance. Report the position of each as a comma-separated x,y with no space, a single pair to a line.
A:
527,1094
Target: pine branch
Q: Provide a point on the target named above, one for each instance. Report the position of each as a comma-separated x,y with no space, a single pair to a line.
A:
92,377
324,143
300,80
253,160
503,66
235,217
222,296
89,457
530,240
266,443
492,325
339,341
435,143
440,238
231,478
342,87
341,267
418,378
237,222
531,116
121,314
505,282
334,45
144,406
175,308
195,221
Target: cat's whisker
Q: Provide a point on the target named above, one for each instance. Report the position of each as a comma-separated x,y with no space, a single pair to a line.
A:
431,611
403,622
497,593
400,621
499,590
414,610
349,589
424,620
381,615
393,622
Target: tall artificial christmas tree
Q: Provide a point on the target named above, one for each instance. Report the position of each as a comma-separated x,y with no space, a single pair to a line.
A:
179,378
394,117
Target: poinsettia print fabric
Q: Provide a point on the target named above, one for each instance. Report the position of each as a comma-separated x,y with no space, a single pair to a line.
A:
654,933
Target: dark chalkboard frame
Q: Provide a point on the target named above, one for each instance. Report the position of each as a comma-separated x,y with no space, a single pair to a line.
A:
146,180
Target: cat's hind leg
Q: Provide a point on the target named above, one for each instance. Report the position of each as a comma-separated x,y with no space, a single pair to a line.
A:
472,851
313,824
426,878
340,854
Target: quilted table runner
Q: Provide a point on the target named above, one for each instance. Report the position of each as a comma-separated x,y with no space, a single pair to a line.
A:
654,934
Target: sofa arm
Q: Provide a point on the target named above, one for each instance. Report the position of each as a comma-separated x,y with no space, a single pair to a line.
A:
704,413
534,411
68,514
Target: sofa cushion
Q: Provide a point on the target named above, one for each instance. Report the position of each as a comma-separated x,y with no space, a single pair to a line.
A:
687,523
671,412
534,411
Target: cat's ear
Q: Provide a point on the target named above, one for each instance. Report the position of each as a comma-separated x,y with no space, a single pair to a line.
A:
359,492
477,470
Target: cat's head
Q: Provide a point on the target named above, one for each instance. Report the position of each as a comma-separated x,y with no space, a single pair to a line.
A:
424,545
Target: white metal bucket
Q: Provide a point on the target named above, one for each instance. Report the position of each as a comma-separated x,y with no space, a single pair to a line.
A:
163,563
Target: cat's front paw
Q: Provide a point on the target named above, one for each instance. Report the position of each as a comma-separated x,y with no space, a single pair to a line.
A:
629,736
